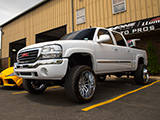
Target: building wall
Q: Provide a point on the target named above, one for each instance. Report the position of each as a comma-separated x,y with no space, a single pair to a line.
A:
99,12
50,15
5,62
57,13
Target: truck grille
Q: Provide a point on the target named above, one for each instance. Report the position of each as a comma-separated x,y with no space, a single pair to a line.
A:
28,56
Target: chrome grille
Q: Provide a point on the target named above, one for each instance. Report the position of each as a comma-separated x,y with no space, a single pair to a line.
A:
28,56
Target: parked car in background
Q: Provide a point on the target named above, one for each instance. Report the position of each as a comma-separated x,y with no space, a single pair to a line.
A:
9,79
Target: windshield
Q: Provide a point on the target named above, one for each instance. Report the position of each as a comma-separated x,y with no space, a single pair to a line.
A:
86,34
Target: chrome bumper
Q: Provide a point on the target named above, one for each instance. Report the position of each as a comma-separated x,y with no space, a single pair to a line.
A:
38,63
42,69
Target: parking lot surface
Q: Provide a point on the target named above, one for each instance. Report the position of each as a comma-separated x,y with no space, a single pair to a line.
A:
115,99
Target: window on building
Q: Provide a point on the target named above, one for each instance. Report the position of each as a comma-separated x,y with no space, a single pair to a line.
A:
119,39
118,6
80,16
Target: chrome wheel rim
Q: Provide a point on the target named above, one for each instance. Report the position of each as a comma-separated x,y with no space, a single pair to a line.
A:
87,84
145,75
37,86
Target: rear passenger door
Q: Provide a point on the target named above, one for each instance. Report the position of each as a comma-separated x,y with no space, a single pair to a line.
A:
112,55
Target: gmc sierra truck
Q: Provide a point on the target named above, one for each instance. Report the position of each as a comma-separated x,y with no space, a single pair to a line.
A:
78,60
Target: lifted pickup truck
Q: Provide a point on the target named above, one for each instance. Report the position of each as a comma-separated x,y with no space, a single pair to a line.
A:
78,61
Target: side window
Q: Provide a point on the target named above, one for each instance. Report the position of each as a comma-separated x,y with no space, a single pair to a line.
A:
119,39
103,32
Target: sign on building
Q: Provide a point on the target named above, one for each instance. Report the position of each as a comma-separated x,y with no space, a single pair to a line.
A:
138,26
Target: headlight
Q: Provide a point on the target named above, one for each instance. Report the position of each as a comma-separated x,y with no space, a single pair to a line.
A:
51,51
12,74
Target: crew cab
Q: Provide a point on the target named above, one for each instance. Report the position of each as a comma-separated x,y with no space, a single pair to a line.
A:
78,60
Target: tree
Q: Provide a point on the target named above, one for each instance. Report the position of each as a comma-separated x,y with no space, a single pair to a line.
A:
153,66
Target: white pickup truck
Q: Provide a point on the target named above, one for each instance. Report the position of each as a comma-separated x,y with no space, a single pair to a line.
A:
78,61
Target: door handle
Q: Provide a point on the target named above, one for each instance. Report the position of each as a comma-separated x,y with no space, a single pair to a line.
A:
127,50
115,49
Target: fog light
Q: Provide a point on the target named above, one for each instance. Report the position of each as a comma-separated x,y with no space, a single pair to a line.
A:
44,71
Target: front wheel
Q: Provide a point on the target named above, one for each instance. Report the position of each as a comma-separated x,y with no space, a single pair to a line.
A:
80,84
33,86
141,75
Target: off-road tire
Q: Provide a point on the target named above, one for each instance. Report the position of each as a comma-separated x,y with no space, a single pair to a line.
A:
32,87
118,75
75,78
141,75
101,78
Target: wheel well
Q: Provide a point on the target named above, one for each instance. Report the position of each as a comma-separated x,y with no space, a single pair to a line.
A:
80,59
141,61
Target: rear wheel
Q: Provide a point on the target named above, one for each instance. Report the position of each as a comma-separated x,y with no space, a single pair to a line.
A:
80,84
141,75
33,86
101,78
119,75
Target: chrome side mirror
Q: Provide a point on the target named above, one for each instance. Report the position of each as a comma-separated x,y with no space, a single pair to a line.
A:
103,38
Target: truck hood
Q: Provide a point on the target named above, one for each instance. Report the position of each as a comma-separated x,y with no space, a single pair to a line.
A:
64,43
39,45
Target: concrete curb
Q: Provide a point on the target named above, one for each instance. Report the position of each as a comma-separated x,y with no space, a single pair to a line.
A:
154,77
114,77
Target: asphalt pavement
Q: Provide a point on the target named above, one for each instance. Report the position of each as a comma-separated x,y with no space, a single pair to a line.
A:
115,99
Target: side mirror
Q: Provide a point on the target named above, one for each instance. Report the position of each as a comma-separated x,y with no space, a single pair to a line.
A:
103,38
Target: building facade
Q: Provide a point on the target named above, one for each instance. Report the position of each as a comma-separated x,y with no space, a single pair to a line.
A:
51,19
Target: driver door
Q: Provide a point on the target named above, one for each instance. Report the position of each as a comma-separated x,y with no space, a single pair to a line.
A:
110,56
105,54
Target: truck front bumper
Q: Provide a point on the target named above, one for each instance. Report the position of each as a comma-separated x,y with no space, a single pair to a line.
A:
52,69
